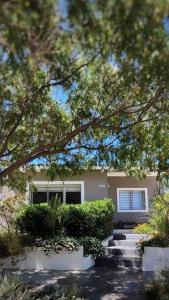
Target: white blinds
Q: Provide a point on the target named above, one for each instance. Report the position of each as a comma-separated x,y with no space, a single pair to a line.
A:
131,200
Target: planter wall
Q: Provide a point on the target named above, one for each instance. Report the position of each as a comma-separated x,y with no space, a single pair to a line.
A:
35,258
155,259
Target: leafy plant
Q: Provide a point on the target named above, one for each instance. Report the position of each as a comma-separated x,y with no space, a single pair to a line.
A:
159,287
157,240
159,219
8,210
58,293
12,289
92,246
144,228
57,244
11,243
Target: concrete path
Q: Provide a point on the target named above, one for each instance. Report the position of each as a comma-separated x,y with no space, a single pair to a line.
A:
98,283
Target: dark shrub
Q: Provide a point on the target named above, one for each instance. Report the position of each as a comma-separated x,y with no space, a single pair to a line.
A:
93,218
92,246
38,220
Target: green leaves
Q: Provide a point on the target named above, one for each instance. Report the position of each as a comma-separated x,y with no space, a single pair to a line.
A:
111,62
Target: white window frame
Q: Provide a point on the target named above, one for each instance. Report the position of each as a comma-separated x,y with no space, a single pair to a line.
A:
39,183
132,189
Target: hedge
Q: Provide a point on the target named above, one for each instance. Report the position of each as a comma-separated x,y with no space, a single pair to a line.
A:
38,220
93,219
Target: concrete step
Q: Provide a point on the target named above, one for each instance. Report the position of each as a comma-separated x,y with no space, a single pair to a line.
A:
131,262
128,243
123,231
130,236
121,250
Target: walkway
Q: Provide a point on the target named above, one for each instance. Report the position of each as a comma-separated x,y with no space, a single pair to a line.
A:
99,283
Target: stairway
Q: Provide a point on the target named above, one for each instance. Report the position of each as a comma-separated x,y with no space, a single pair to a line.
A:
122,250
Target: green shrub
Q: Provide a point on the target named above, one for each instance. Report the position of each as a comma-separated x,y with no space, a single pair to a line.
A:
157,240
143,228
93,218
92,246
10,244
159,287
159,219
11,288
38,220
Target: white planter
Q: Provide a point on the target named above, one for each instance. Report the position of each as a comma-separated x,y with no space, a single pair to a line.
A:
155,259
36,259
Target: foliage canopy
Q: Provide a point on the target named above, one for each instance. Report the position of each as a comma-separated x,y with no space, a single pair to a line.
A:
83,83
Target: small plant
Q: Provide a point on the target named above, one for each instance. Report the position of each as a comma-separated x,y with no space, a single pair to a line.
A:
58,293
92,246
144,228
57,244
10,244
159,288
12,289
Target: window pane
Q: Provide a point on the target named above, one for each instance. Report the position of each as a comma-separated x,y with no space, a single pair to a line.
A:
124,200
138,200
56,195
73,197
39,197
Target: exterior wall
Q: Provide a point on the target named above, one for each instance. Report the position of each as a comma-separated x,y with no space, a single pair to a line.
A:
126,182
95,183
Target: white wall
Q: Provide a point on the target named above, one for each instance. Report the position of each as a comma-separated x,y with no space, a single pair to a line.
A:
155,259
36,259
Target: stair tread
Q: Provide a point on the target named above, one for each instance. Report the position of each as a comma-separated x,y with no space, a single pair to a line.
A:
121,247
125,257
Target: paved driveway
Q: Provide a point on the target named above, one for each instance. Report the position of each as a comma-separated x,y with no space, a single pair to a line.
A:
99,283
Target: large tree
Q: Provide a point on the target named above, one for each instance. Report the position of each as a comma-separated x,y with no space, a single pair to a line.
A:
83,83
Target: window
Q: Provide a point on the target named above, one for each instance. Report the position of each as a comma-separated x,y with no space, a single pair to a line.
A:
70,193
132,200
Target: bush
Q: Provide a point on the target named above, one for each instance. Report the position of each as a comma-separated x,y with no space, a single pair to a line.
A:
10,244
12,289
159,288
143,228
158,240
93,218
38,220
92,246
159,219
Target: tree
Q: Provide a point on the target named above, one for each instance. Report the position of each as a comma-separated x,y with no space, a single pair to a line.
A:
109,61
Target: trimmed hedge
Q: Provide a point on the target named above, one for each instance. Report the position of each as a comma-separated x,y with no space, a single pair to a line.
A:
93,218
38,220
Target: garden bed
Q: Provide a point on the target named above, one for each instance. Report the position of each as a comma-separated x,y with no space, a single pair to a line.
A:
155,259
35,259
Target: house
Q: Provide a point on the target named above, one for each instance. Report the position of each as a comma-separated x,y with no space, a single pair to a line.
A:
132,198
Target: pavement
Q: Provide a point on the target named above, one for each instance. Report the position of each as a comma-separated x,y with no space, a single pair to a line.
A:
98,283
